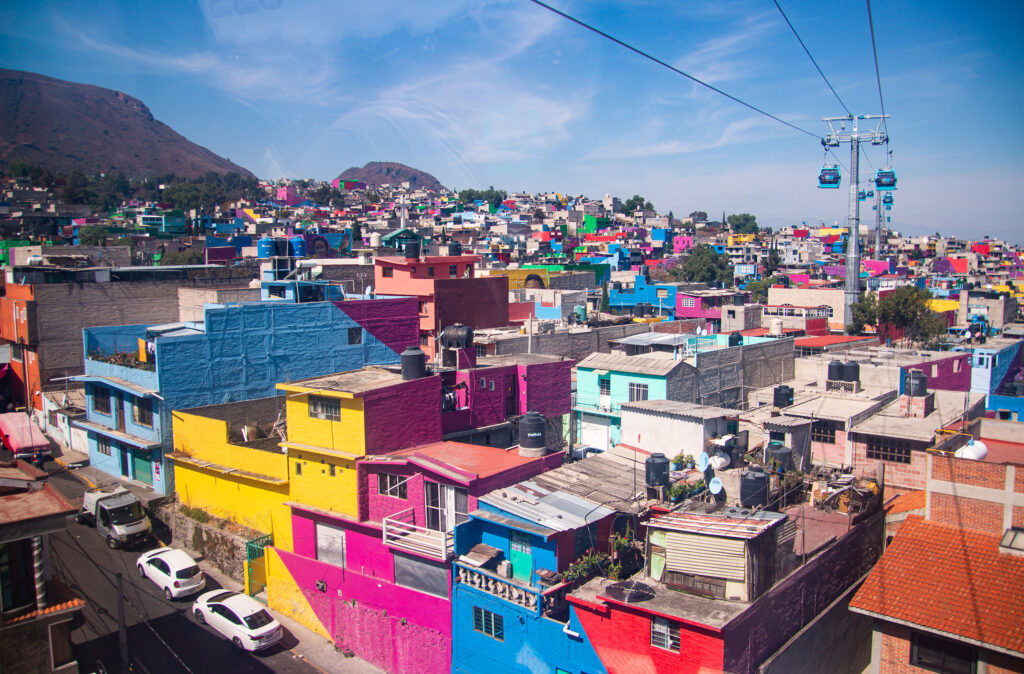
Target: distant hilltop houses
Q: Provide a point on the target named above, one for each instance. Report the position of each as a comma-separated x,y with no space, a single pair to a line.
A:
442,429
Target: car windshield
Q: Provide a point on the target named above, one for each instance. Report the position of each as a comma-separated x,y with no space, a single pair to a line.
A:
258,619
126,514
187,573
220,597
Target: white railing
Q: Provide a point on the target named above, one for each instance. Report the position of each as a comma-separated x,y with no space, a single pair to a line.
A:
402,532
542,602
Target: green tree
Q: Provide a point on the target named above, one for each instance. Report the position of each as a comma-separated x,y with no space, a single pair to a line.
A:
76,189
357,234
743,223
865,312
605,305
906,308
538,214
703,265
636,201
92,236
699,216
758,290
773,262
492,196
190,256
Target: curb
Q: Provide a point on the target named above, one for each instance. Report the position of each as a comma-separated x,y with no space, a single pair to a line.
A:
80,478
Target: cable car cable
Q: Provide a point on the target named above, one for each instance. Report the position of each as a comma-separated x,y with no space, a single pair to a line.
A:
808,52
670,67
878,76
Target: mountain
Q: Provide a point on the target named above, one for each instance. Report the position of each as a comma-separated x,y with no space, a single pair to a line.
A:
63,126
377,173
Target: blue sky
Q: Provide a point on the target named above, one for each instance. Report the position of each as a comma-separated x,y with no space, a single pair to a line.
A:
505,93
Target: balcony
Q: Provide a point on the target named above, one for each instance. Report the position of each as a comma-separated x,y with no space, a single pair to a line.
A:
591,403
402,533
548,602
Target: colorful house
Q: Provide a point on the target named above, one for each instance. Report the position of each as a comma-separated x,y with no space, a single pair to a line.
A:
136,375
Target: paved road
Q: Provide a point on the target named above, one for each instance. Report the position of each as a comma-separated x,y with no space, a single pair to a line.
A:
163,637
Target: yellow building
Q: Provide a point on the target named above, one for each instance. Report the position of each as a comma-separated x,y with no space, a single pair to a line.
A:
229,463
740,239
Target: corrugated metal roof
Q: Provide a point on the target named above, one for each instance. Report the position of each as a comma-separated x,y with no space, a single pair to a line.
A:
636,364
682,409
651,338
729,522
555,510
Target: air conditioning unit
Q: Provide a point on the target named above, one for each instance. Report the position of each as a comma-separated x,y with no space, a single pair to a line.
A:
505,568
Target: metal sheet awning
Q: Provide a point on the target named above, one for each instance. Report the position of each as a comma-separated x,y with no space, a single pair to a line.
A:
117,382
120,436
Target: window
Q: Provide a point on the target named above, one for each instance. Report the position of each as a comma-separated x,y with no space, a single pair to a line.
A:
453,271
142,412
469,272
935,370
298,468
896,450
824,430
392,485
489,623
707,586
689,302
637,392
324,408
424,339
942,655
958,365
101,400
103,445
387,272
275,291
333,470
17,352
430,271
446,506
584,539
423,307
604,386
355,335
420,574
60,644
16,586
330,544
665,634
481,350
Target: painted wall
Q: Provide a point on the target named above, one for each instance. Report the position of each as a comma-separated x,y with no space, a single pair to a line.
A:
949,374
403,415
348,434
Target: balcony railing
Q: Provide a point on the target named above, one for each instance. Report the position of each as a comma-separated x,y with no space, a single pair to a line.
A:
545,602
402,532
596,404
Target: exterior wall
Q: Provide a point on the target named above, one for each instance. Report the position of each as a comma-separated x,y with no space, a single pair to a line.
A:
948,374
893,653
976,495
546,388
811,297
574,345
346,435
191,301
26,647
671,434
313,484
897,475
400,416
478,302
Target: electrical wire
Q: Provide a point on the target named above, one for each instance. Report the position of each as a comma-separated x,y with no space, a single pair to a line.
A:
878,76
670,67
808,52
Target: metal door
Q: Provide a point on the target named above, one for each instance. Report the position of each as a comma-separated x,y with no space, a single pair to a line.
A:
521,556
143,466
256,565
124,461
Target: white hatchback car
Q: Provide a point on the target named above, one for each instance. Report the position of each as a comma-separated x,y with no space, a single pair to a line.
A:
173,571
238,617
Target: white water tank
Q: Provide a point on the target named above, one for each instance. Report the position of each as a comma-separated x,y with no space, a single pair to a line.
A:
775,327
720,461
974,450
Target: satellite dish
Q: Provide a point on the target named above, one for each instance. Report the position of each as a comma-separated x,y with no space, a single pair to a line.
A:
715,486
702,461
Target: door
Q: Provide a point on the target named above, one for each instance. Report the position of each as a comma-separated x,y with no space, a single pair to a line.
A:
446,506
595,431
143,466
118,410
124,461
521,556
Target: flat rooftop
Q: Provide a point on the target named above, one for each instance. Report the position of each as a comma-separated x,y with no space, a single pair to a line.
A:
949,406
692,410
834,407
476,459
518,359
355,382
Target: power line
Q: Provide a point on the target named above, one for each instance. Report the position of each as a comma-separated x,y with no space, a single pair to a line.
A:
878,76
670,67
808,52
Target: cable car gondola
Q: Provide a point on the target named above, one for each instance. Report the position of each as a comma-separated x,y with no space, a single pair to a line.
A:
885,179
862,195
887,200
829,178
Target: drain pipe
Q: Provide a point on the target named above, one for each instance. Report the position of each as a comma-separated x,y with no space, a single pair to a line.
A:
37,568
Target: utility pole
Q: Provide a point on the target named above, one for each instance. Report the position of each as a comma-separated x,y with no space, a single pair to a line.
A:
878,224
122,628
854,137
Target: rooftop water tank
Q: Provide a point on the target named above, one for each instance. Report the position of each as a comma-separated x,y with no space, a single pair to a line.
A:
375,239
851,371
775,327
457,337
784,455
414,363
265,247
656,470
782,396
915,384
754,487
735,339
297,246
532,434
835,370
976,450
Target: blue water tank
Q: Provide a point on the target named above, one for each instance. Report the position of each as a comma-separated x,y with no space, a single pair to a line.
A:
297,246
265,247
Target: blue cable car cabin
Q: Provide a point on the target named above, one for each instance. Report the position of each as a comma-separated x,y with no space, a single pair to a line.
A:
887,200
885,179
829,178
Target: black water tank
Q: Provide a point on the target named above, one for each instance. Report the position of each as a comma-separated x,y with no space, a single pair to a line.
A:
414,363
656,470
617,286
735,339
754,487
533,431
412,250
281,247
648,309
851,371
835,370
457,337
915,384
783,396
454,248
784,455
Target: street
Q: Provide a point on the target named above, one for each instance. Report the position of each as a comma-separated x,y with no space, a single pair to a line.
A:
163,637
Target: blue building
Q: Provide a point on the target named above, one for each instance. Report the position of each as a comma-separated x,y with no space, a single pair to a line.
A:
137,375
995,371
661,296
517,561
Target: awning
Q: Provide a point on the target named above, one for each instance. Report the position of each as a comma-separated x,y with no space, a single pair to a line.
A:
127,438
117,382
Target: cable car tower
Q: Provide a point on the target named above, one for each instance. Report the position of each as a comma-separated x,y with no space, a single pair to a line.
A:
854,137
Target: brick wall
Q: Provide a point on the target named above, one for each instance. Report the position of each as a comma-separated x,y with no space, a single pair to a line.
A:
899,476
894,656
25,647
977,473
967,512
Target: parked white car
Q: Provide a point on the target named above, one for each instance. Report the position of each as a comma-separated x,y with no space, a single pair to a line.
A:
238,617
173,571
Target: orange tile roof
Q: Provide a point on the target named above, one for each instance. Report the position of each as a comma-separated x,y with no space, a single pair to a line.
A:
950,580
59,598
912,500
829,340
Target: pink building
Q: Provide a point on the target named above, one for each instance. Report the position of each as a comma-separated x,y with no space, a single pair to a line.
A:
681,244
707,304
380,584
288,195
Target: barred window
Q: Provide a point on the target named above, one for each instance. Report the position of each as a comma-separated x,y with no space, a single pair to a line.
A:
896,450
392,485
604,386
489,623
143,411
707,586
637,392
689,302
665,634
824,430
101,400
103,445
355,335
324,408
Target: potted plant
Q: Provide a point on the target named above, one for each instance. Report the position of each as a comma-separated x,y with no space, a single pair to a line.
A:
677,462
690,461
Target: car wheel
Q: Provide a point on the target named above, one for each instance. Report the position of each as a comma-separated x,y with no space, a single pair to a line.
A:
237,643
199,617
167,593
142,572
111,543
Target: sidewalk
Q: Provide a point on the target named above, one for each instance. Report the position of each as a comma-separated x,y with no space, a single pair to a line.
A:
78,464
